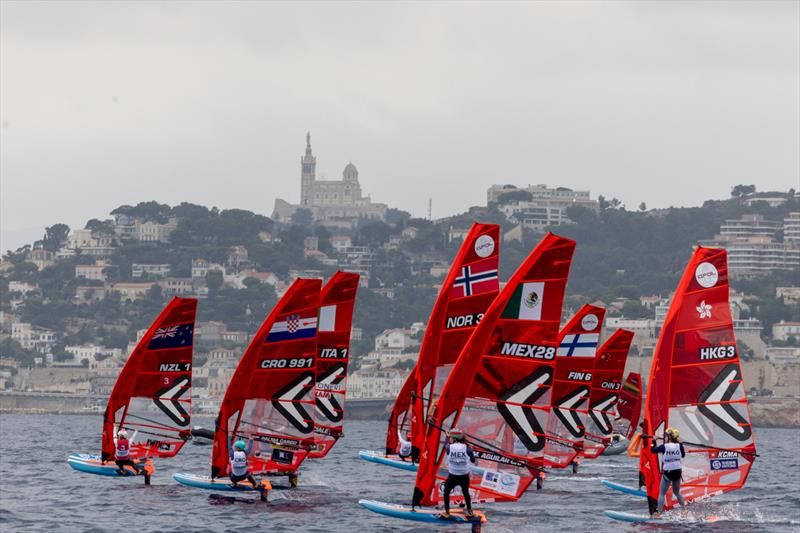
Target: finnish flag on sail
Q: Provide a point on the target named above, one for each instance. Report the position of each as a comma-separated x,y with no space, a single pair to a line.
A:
293,327
579,345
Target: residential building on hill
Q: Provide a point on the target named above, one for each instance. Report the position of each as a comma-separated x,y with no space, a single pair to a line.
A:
547,206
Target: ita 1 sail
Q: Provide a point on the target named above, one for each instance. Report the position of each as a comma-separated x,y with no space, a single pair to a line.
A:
629,405
152,396
696,386
498,392
604,399
337,302
270,398
469,287
569,404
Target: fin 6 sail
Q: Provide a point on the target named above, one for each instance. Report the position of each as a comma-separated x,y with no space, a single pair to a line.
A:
696,386
152,395
569,404
604,399
270,398
337,302
498,392
469,287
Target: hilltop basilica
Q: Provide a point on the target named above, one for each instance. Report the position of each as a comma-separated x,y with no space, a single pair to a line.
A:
332,203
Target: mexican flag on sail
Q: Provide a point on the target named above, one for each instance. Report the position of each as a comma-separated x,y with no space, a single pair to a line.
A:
526,302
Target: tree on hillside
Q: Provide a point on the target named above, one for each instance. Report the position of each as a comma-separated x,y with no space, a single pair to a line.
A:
54,236
518,195
397,217
374,233
149,211
105,227
740,191
302,217
642,206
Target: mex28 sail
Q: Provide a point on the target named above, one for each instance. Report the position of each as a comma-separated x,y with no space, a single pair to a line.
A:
498,392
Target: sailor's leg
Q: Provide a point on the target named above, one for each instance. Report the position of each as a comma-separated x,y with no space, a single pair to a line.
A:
464,484
662,492
449,485
676,490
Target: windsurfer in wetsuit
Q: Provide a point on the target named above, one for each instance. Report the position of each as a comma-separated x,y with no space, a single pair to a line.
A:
673,452
122,453
459,455
239,451
405,448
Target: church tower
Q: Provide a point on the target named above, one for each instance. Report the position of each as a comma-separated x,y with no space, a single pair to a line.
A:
308,169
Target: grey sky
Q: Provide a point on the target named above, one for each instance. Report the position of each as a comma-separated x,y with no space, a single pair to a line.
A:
669,103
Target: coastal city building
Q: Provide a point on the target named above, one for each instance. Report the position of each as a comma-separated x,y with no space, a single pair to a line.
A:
546,206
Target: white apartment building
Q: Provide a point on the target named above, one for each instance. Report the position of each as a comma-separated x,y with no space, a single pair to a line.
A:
783,330
33,338
547,207
791,229
139,270
370,383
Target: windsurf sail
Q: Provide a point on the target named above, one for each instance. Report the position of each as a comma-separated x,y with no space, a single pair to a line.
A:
152,395
498,392
629,406
469,287
569,405
337,302
605,398
270,398
696,386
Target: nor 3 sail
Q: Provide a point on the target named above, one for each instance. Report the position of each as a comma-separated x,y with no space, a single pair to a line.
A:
152,396
696,386
498,392
605,404
337,302
271,396
469,287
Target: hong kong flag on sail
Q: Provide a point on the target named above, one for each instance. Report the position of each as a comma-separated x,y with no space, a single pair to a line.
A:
476,278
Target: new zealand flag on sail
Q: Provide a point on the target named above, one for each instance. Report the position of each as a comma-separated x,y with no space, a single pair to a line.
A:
176,336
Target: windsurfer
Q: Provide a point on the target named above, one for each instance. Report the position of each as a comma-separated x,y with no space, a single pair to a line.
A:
405,448
673,452
459,454
122,454
239,451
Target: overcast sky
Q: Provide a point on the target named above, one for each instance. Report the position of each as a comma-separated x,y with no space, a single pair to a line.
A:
112,103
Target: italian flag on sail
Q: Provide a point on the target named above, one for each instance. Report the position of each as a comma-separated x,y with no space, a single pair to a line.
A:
526,302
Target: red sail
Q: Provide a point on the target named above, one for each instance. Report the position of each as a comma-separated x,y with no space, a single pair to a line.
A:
270,398
152,395
629,406
337,302
696,386
569,404
605,398
499,390
469,287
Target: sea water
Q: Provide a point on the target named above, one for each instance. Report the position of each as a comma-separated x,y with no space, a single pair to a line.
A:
40,492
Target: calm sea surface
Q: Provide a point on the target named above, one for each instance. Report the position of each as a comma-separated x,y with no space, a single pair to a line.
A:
39,492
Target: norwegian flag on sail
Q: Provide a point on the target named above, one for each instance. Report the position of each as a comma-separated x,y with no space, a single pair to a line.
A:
476,278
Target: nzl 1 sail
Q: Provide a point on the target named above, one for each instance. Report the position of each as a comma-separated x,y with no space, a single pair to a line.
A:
337,302
604,399
469,287
270,398
696,386
152,396
569,404
498,392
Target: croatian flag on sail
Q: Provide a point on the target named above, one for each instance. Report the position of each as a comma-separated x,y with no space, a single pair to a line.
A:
579,345
293,327
176,336
476,278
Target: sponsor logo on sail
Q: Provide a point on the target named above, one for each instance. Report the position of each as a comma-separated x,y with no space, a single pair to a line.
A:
589,322
484,246
706,275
